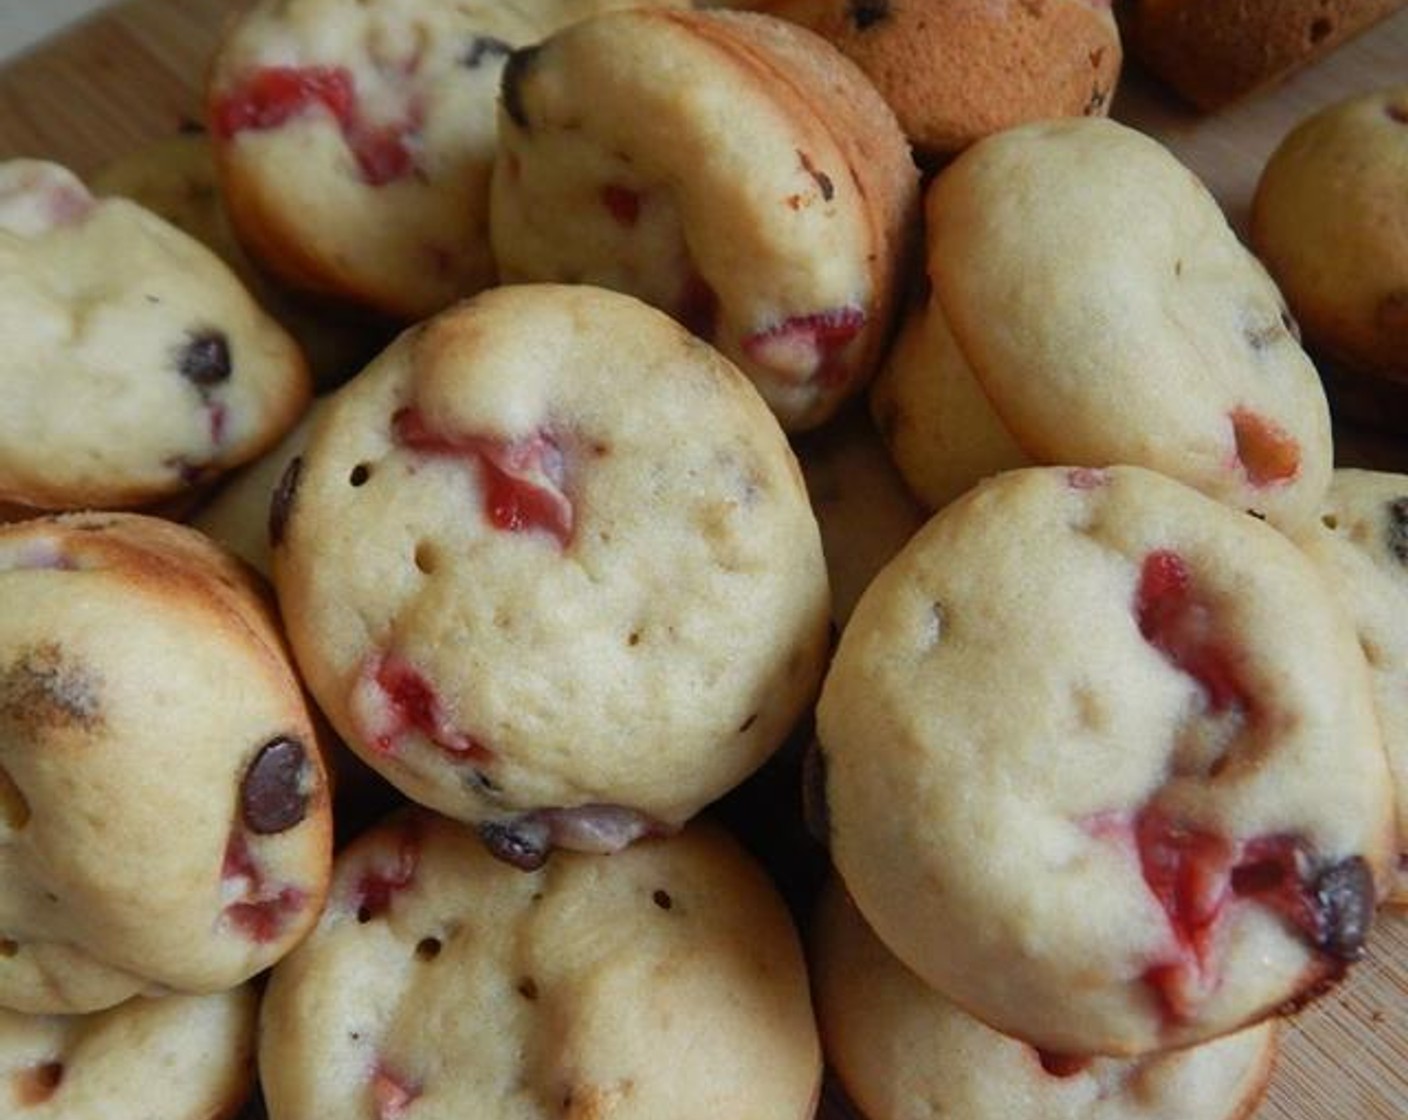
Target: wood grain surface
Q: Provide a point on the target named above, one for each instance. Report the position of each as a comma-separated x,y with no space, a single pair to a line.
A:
132,74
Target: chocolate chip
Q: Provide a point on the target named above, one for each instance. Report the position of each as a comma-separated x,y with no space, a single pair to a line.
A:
1396,534
281,504
274,794
522,842
867,13
485,46
1344,903
204,359
511,84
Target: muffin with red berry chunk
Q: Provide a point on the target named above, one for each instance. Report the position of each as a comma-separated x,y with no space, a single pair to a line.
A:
1328,220
354,139
136,364
666,981
170,1058
1361,547
904,1052
1102,764
164,819
549,565
730,168
957,70
1109,315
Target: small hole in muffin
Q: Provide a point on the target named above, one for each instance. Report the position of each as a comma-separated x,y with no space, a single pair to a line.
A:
8,948
662,899
1321,29
634,638
364,914
360,473
427,559
1330,521
1178,267
428,948
747,724
528,988
1397,111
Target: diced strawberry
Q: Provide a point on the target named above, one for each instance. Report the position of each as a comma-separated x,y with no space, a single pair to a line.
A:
1086,478
622,202
258,911
1266,451
807,347
35,1085
409,704
1175,621
1062,1065
524,479
274,95
392,1093
380,882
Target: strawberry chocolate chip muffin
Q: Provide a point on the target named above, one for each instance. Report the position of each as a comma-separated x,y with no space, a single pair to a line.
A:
958,70
170,1058
1102,764
1361,547
354,140
136,364
730,168
904,1052
549,565
164,819
666,981
1108,314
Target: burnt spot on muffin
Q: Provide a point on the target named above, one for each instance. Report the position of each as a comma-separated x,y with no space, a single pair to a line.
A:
275,790
42,690
511,83
281,502
1396,528
865,14
204,358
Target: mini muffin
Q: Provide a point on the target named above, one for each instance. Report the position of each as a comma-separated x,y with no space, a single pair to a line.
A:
1110,315
1102,764
956,70
175,179
1328,219
665,981
164,815
549,565
136,364
1212,52
730,168
173,1058
1361,547
904,1052
381,113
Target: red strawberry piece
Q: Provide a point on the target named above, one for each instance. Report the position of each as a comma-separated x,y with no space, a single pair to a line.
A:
524,479
807,347
1268,454
409,703
1062,1065
386,876
1086,478
270,97
1175,620
35,1085
392,1093
622,202
259,911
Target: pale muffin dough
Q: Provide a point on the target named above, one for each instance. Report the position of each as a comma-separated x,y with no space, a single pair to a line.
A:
549,565
729,168
904,1052
664,981
164,818
1102,763
1110,315
171,1058
136,364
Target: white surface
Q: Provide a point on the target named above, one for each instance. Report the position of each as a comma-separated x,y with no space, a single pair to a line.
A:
25,22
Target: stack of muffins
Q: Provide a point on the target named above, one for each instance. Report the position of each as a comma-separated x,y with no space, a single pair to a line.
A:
438,744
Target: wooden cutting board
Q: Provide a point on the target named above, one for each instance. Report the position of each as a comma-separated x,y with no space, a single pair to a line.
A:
132,74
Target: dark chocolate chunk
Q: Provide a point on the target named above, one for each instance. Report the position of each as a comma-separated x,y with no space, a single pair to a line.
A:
274,792
281,504
511,83
1344,903
867,13
485,46
204,358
